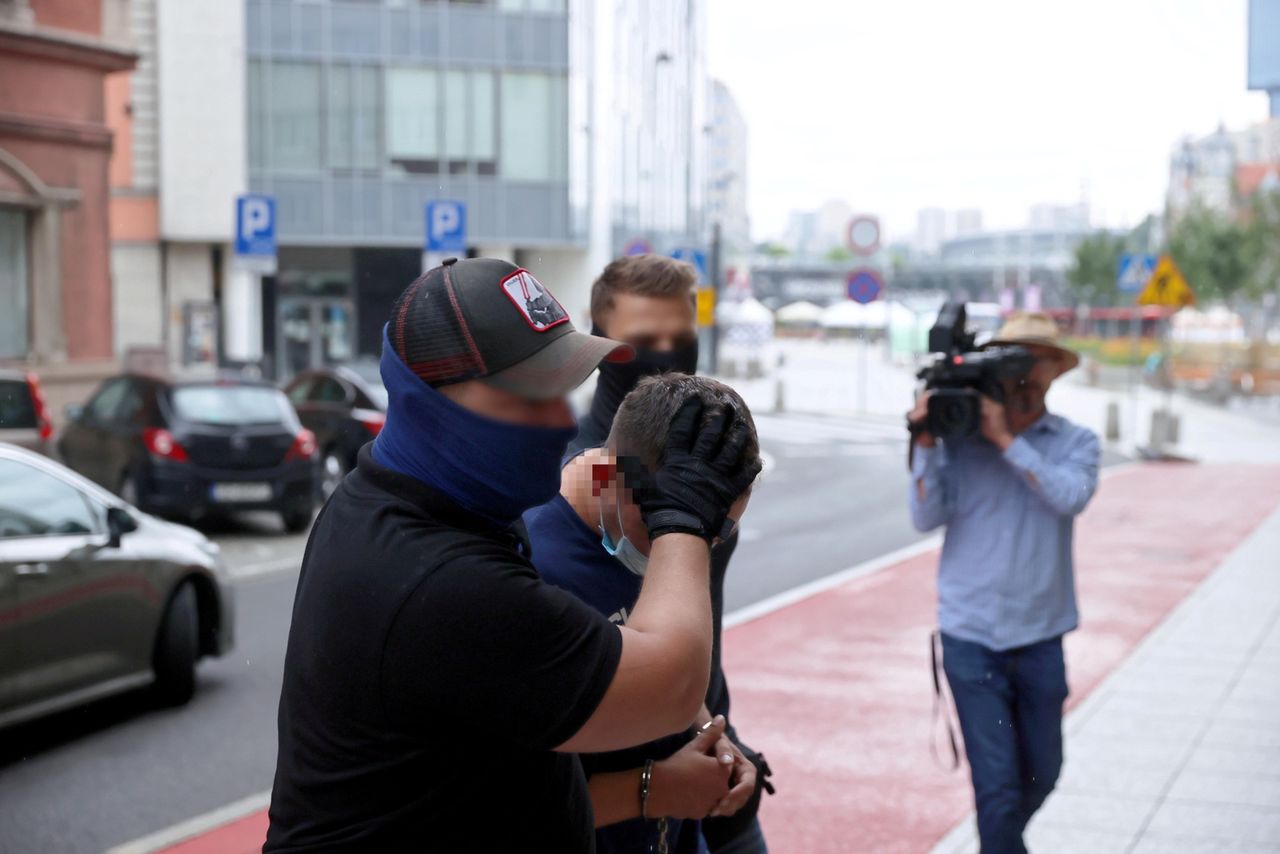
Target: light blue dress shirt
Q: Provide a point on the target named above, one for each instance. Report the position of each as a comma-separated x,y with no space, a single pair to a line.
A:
1006,577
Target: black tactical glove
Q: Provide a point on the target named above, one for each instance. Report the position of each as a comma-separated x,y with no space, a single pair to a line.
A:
701,474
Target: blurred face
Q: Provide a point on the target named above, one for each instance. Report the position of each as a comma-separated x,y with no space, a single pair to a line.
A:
500,405
651,323
1025,398
616,496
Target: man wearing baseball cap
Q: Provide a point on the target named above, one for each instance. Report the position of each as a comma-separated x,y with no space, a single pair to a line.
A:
435,689
1006,582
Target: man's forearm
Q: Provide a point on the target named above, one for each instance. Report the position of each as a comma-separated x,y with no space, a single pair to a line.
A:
615,796
675,606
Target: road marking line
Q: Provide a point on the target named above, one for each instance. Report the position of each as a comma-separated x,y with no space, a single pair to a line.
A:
265,567
195,826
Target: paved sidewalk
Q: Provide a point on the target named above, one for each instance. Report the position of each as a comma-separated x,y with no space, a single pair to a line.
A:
836,689
1179,749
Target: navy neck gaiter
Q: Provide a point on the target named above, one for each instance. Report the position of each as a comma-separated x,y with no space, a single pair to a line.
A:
493,469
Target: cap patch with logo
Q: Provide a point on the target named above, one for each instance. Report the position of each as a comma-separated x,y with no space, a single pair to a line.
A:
455,323
540,309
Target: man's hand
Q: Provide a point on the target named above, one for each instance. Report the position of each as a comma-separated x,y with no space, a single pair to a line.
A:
916,417
701,475
742,779
995,424
692,783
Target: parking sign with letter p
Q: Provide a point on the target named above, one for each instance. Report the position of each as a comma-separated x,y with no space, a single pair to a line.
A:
446,227
256,232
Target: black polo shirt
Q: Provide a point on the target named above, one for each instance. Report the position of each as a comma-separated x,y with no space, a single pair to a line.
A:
430,672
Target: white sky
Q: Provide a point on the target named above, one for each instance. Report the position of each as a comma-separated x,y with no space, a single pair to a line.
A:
896,105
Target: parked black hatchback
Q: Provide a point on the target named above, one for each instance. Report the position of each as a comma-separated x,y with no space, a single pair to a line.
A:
195,448
345,406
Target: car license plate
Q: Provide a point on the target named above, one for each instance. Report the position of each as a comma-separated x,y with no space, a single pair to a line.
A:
232,493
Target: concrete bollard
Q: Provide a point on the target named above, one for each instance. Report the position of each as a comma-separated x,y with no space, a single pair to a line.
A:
1164,428
779,396
1113,422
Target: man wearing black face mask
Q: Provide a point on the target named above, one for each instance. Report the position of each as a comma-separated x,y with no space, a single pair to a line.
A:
430,672
647,301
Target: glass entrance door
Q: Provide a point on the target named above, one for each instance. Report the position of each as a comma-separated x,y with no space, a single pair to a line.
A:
314,332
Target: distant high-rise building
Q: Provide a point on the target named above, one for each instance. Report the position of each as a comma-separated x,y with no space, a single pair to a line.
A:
727,171
1264,50
1201,172
968,222
1258,143
1054,217
802,229
931,229
811,234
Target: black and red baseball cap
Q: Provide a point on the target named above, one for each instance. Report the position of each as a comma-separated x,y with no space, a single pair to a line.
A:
487,319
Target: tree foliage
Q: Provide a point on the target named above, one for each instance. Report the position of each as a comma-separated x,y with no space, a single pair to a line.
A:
773,250
1227,257
1092,276
1217,253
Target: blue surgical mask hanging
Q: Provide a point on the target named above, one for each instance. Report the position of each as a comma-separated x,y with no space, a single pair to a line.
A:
624,550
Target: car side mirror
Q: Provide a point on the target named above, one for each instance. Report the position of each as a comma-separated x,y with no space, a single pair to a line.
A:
74,412
119,523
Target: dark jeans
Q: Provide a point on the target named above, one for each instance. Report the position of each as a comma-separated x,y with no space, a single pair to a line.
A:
1010,707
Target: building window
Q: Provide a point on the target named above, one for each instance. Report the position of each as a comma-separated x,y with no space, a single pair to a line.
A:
255,79
14,290
441,121
534,127
294,106
532,5
469,136
354,113
413,116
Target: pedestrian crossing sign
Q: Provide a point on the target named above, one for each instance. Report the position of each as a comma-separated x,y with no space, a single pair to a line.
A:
1134,271
1167,286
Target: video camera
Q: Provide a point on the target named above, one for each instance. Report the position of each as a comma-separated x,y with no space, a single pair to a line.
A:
963,373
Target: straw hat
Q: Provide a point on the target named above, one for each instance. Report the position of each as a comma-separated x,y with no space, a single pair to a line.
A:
1036,328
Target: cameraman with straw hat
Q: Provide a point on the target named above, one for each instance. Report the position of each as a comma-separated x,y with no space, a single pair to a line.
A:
1006,584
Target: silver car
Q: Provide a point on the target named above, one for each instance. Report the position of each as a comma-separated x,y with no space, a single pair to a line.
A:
97,597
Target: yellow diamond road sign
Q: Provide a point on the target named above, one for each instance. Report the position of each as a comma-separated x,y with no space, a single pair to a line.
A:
1167,286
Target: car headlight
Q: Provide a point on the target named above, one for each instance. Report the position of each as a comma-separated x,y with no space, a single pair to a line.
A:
210,548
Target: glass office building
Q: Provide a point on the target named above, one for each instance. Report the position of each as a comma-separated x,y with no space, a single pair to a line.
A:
568,128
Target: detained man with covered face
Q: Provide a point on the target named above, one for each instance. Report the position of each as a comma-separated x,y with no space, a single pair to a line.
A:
592,541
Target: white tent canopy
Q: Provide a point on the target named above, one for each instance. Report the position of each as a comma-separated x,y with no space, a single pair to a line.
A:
799,313
852,315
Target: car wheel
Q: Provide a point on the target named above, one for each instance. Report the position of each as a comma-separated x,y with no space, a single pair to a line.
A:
332,470
177,649
296,519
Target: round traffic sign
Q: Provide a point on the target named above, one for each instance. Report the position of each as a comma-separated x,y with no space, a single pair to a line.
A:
863,235
638,246
863,286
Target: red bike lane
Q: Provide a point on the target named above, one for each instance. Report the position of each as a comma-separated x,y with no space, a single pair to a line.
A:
835,689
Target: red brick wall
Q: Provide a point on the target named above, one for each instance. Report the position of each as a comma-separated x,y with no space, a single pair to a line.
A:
82,16
67,144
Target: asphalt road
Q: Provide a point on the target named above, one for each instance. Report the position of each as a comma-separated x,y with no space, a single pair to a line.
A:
832,497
